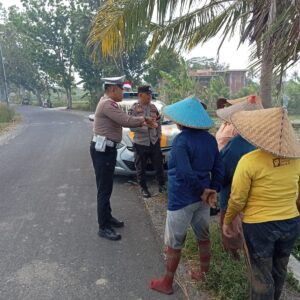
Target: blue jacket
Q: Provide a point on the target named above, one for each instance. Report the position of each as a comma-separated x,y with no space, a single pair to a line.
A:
231,154
194,164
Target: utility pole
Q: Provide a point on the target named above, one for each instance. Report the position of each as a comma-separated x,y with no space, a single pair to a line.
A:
4,73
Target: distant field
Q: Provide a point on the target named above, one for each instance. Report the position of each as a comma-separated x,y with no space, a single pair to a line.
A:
294,117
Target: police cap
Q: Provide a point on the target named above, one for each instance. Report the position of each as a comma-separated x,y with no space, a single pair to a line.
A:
145,89
114,81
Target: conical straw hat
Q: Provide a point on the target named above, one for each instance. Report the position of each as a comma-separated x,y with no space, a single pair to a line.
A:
249,103
238,100
189,112
268,129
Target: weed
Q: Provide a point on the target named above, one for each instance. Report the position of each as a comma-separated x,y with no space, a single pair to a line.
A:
6,113
227,278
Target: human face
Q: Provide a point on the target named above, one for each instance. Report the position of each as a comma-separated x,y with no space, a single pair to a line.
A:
118,93
145,98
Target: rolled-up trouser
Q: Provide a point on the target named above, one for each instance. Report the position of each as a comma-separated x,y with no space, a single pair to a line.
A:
177,223
269,245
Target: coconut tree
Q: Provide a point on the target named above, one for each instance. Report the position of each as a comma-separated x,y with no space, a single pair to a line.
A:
270,26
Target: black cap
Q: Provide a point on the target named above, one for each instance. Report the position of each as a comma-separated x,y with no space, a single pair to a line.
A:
144,89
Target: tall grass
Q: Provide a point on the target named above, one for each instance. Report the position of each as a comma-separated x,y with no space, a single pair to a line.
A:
227,278
6,113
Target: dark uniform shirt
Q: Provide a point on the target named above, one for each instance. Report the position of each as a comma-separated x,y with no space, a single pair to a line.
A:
145,135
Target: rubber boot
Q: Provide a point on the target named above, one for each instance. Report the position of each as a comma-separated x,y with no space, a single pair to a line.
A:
204,255
164,285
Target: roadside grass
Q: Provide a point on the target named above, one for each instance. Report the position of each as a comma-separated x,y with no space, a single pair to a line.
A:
76,105
6,113
227,278
296,249
8,118
81,105
293,282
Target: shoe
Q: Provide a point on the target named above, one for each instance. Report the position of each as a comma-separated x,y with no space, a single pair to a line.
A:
161,189
116,223
109,233
145,193
214,211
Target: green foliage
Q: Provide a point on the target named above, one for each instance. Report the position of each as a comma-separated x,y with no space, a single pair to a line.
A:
6,113
203,63
178,86
165,60
227,278
293,282
216,89
296,249
250,89
292,90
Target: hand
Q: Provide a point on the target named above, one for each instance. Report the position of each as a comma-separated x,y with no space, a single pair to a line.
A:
209,196
228,230
212,200
237,225
150,122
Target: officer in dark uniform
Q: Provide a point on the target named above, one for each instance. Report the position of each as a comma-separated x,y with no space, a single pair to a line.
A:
108,123
147,141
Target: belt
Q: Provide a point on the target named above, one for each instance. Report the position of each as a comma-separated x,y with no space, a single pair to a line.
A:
109,143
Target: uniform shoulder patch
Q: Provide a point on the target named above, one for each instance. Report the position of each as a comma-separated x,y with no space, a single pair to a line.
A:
114,104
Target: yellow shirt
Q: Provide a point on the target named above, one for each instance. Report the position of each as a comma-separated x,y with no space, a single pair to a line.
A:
265,188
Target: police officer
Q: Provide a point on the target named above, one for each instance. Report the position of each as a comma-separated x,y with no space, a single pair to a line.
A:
147,140
109,119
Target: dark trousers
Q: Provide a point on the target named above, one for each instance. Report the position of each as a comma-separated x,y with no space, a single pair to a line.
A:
104,165
270,245
142,154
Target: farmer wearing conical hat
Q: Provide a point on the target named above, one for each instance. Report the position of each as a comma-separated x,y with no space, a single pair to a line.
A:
226,130
231,154
195,175
265,188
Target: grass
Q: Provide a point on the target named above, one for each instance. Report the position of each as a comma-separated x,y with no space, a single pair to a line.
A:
296,249
7,117
293,282
6,113
227,278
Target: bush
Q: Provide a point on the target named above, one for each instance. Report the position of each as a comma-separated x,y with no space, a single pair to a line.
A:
6,113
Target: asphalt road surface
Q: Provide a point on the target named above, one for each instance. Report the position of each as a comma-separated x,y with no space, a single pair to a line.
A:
49,248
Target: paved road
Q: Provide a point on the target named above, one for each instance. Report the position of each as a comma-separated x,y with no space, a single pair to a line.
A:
48,230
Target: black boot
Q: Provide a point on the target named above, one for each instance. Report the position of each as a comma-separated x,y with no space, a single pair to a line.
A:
145,192
109,233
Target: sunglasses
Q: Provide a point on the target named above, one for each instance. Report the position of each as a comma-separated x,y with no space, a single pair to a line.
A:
120,86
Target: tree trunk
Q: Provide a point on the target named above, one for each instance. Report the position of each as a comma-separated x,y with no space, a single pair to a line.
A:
69,98
266,75
39,98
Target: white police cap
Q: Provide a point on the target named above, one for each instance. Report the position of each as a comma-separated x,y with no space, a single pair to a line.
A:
113,80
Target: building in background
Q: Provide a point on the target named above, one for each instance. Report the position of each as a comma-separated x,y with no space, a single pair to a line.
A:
234,79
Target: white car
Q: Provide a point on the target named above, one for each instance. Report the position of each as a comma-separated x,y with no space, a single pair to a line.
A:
125,154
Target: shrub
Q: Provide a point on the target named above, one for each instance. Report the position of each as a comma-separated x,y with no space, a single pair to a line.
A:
6,113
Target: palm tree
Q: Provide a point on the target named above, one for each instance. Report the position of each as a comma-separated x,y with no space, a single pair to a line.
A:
270,26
